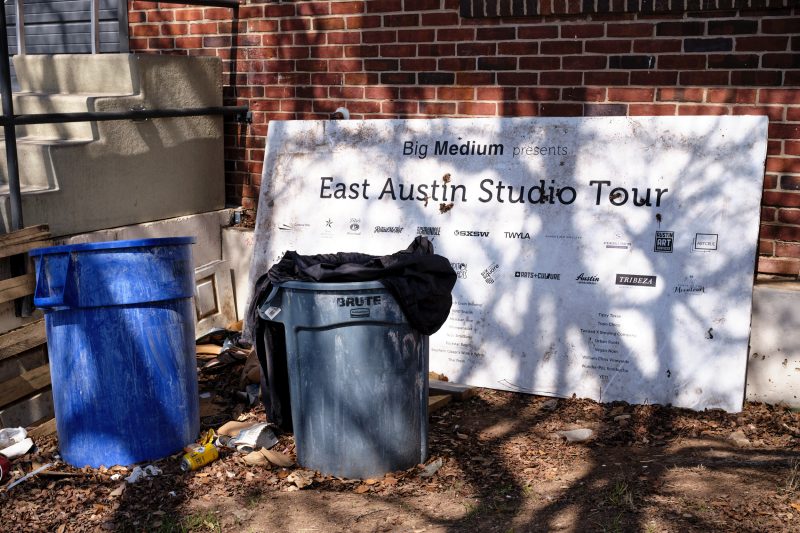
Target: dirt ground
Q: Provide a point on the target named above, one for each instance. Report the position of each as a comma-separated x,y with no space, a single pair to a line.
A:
504,468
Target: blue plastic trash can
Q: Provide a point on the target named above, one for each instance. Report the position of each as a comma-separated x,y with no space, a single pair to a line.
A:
120,335
358,377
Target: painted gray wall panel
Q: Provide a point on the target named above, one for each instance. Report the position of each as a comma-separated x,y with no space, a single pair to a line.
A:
63,27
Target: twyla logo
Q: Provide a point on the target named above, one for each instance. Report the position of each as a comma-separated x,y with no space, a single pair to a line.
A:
517,235
358,301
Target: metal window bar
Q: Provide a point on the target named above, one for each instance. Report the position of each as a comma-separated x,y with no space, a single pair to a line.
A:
9,120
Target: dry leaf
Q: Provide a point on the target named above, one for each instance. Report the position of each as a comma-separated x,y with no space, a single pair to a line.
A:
370,481
61,528
795,506
117,492
389,481
277,458
233,427
361,489
301,478
256,458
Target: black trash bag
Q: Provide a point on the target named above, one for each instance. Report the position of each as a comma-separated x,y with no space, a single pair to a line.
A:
420,281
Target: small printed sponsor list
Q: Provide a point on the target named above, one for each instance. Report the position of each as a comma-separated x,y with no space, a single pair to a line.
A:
461,333
604,339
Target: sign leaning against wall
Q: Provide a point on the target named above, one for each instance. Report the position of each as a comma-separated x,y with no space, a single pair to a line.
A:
611,258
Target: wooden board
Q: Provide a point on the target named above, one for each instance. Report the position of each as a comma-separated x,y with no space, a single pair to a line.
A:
13,288
43,430
21,339
28,383
32,233
436,402
29,410
23,248
456,390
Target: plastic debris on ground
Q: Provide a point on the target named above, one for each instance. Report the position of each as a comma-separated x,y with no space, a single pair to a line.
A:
140,473
14,442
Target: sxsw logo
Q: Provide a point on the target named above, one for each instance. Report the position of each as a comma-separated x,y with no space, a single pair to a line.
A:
664,240
469,233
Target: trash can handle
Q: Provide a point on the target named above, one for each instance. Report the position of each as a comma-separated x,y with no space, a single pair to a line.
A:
46,296
272,294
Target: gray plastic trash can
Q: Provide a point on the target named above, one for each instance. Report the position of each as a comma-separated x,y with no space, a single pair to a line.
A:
358,377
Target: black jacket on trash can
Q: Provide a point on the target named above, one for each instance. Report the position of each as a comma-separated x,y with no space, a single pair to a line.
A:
420,281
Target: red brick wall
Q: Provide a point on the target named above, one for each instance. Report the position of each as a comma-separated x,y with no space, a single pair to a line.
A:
420,58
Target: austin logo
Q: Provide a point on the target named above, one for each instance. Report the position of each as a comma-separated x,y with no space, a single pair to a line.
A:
636,280
461,270
705,241
587,280
664,241
428,230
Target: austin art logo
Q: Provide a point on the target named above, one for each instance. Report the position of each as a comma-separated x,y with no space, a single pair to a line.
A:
587,279
664,241
636,280
429,230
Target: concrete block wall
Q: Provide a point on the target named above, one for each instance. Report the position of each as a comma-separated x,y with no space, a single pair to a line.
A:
444,58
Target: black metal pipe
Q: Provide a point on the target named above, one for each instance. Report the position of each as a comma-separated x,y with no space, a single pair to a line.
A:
241,112
15,196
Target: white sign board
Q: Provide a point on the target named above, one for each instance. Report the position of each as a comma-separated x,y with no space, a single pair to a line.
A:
611,258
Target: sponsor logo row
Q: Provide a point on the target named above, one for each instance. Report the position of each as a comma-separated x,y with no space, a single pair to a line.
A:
491,273
664,241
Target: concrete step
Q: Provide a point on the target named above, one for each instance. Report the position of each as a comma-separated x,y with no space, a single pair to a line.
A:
35,162
33,103
76,73
165,81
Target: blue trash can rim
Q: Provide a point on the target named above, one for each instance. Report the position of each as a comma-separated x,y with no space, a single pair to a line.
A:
110,245
348,286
